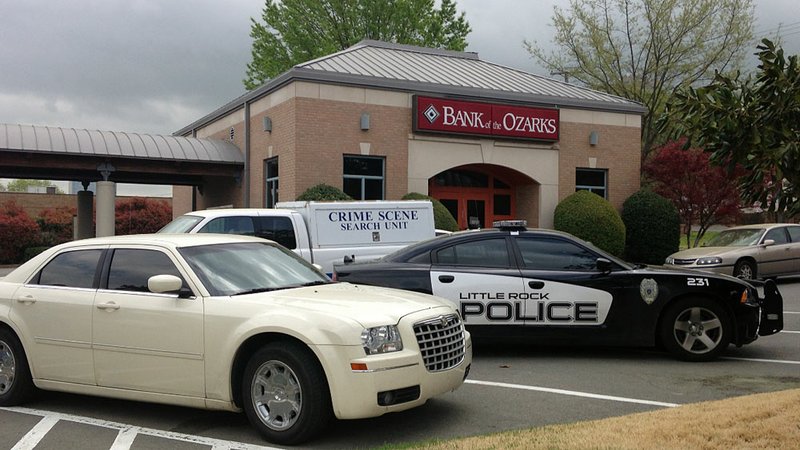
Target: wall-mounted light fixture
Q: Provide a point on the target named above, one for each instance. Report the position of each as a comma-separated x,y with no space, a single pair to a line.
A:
594,136
267,124
365,121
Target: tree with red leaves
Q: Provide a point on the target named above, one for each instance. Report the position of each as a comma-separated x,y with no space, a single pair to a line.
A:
17,232
141,215
704,194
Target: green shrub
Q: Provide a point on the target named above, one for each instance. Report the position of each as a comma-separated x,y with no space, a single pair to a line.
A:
652,226
591,218
441,215
323,193
30,252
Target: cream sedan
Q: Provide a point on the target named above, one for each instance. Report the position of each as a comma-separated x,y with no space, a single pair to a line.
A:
747,251
223,322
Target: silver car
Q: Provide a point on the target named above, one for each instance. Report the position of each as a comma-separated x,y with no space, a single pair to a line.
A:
748,251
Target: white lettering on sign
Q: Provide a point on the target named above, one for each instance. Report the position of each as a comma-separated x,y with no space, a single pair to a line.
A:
459,118
513,122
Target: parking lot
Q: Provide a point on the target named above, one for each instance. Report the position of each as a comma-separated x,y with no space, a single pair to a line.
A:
510,387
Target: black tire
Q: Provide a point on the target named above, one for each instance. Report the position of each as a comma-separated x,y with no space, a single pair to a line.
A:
695,329
299,405
16,385
745,269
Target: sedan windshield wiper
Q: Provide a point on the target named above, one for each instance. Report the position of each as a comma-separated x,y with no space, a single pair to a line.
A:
257,290
314,283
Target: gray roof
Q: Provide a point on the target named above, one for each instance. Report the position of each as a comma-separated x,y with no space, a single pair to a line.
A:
72,141
432,71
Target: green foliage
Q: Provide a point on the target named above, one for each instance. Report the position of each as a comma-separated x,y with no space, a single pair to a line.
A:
441,215
644,50
294,31
17,232
23,185
753,122
30,252
652,227
323,193
139,215
591,218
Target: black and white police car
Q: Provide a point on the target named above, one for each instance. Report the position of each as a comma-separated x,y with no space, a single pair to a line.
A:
550,287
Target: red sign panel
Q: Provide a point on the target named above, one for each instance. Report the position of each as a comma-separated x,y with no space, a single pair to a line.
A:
485,119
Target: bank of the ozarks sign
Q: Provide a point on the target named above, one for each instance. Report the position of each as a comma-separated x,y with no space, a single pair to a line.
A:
441,115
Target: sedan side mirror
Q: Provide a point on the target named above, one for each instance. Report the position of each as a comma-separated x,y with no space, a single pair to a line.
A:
604,265
162,284
768,242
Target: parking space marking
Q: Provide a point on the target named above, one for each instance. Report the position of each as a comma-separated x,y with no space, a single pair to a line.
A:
790,332
126,436
572,393
36,434
775,361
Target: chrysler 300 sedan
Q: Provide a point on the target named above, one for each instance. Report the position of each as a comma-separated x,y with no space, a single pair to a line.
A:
223,322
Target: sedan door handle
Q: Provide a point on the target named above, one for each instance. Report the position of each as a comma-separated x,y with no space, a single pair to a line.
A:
446,278
110,306
536,284
28,299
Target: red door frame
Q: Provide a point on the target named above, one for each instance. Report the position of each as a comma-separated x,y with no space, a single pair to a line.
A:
463,194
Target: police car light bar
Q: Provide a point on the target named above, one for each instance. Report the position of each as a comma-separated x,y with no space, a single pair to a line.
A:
505,224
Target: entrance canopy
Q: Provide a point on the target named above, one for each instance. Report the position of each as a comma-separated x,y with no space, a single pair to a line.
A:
52,153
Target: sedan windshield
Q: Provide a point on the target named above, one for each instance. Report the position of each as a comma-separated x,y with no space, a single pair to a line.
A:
249,267
736,238
182,224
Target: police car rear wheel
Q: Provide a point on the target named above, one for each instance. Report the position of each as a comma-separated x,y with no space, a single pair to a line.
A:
695,329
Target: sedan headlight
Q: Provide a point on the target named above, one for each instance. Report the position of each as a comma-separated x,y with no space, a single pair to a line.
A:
384,339
709,260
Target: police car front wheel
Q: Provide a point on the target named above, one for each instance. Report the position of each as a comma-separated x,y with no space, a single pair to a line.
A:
695,329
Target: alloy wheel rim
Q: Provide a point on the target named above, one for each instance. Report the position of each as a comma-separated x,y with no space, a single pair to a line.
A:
8,367
698,330
276,395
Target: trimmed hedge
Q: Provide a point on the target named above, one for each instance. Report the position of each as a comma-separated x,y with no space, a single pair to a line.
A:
441,215
323,193
591,218
653,227
17,232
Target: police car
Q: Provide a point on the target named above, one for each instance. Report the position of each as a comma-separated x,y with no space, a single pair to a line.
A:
550,287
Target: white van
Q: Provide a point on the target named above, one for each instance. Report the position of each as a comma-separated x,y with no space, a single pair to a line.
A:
322,233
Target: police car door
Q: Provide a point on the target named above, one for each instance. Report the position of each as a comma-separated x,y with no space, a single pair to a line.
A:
562,283
478,276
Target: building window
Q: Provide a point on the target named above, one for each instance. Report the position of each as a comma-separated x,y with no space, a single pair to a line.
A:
271,182
363,177
592,180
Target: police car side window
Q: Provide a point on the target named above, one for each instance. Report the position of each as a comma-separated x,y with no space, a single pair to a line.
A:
487,253
555,254
278,229
230,225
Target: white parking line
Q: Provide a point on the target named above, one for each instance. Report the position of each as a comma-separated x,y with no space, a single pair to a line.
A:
790,332
791,312
127,433
775,361
572,393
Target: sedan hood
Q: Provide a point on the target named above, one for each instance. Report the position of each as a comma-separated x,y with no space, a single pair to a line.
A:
698,252
368,305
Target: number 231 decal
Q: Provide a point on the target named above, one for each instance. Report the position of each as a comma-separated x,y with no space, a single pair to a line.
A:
697,282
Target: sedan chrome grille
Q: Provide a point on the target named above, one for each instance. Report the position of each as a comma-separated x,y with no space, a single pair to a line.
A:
441,342
683,262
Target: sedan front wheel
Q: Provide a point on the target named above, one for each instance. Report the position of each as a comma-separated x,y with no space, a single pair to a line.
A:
695,329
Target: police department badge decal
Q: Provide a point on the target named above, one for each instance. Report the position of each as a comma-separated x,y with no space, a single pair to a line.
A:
648,290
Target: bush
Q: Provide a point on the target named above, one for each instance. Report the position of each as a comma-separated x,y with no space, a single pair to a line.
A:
30,252
56,225
591,218
323,193
441,215
17,232
652,227
141,215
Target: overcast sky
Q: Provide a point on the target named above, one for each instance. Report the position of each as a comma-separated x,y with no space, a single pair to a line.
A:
151,66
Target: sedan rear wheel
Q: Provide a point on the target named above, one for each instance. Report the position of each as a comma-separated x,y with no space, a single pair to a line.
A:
285,393
695,330
15,377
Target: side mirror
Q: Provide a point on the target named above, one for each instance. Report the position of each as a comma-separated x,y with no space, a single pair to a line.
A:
162,284
604,265
768,242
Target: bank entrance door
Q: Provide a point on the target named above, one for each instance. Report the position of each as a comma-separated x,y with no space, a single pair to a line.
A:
474,197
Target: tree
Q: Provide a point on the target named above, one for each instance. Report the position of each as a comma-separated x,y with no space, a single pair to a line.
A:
138,215
23,185
17,232
644,50
751,122
294,31
591,218
703,193
652,227
323,193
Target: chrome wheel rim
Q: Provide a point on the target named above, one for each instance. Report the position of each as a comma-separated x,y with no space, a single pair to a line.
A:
276,395
745,271
698,330
8,367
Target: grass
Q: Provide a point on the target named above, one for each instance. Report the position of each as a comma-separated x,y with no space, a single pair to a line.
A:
708,235
760,421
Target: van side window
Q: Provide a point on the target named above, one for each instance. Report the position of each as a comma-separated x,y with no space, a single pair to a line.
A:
71,269
230,225
278,229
